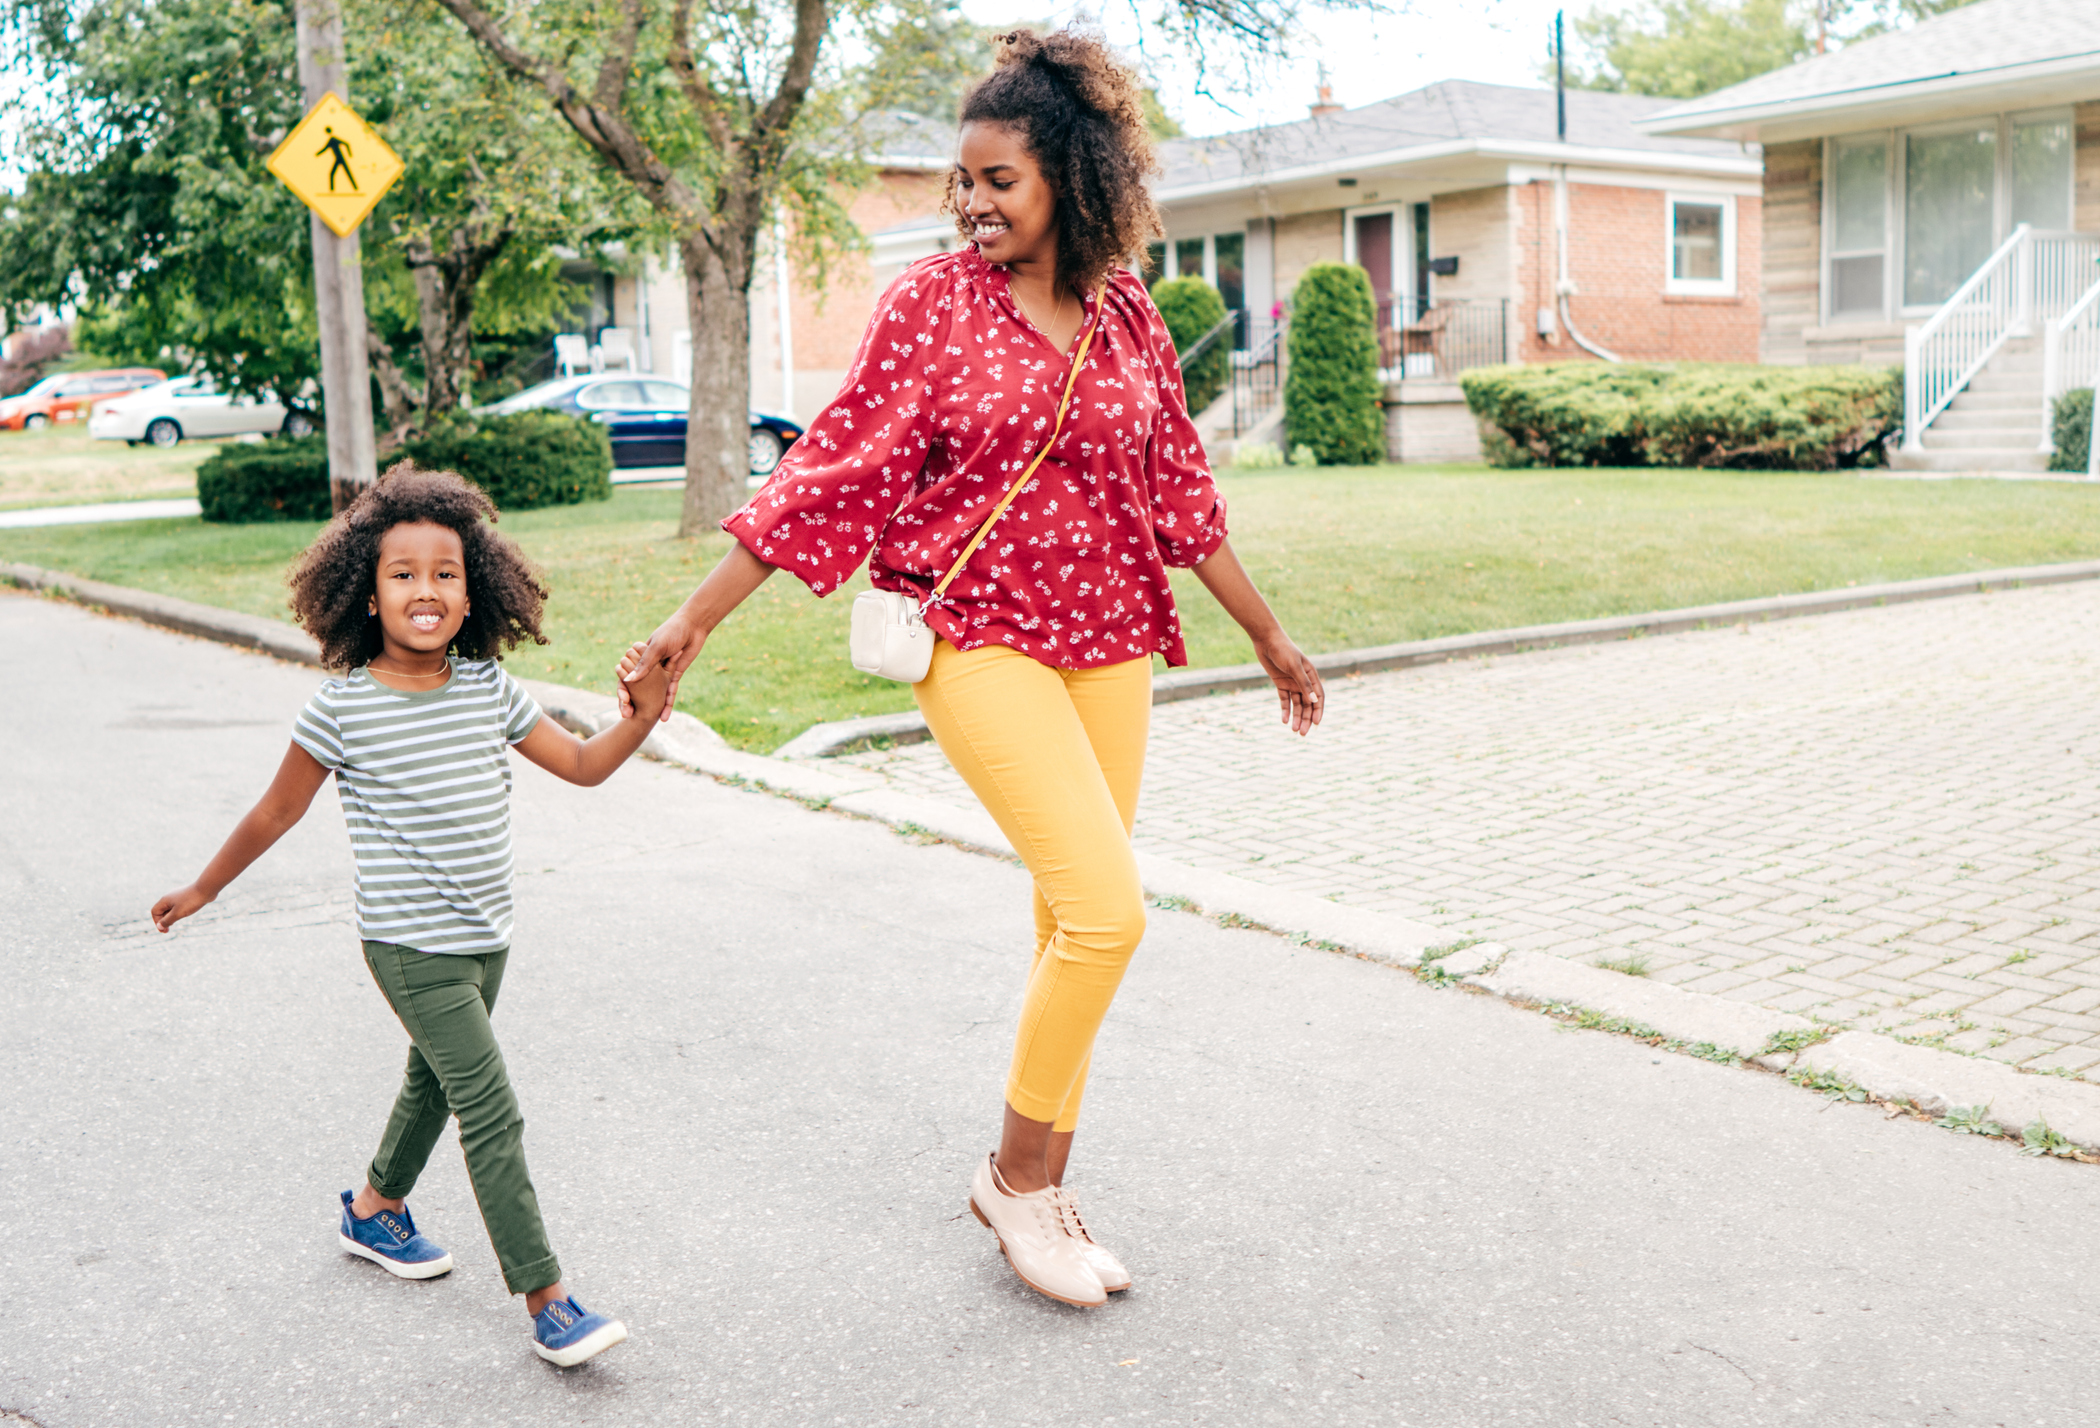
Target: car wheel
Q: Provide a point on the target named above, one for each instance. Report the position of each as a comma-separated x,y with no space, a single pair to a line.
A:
163,431
35,420
298,424
766,450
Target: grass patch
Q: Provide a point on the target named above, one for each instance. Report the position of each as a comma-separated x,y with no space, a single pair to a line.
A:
64,466
1633,964
1349,557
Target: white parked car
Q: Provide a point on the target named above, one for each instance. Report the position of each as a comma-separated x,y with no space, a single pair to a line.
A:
168,412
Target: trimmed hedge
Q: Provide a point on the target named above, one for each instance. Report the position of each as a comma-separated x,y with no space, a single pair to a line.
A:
2071,428
531,459
1331,398
1704,415
281,479
1192,307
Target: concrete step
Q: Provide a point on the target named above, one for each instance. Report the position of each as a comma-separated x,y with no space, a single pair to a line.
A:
1992,380
2025,399
1981,439
2005,460
2007,361
1961,418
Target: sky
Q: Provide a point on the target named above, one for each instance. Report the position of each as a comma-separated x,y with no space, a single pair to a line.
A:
1367,58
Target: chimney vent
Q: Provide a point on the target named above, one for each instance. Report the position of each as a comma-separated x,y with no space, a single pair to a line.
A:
1326,104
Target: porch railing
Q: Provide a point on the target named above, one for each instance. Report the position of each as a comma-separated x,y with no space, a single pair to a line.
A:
1440,338
1257,369
2070,355
2033,277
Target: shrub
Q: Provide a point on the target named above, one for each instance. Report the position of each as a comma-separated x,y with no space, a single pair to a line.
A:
1708,415
1256,455
1331,397
522,461
1192,307
536,458
2071,428
282,479
1303,456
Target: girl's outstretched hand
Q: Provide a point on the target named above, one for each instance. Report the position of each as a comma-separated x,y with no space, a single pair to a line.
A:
672,650
645,689
1299,688
177,905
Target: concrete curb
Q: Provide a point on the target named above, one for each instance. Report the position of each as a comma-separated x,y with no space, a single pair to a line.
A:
823,740
1887,1069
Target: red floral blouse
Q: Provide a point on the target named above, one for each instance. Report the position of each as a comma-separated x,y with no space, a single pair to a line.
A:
951,392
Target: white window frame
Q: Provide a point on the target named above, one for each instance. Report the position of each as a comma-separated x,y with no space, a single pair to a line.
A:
1723,286
1891,221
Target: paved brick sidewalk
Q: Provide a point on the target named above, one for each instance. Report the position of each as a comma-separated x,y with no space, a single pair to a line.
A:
1887,818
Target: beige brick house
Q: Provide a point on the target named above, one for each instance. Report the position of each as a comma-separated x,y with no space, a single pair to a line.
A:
1932,197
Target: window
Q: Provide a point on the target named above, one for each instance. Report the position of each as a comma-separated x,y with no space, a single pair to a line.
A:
1188,258
2041,173
611,396
1702,245
1156,264
1859,224
1948,228
1231,249
665,397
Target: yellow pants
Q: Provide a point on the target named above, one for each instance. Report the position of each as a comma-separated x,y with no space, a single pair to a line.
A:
1055,756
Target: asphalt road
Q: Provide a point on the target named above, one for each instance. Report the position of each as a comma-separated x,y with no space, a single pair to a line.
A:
759,1050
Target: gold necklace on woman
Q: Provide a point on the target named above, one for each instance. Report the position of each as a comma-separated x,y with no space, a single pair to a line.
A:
1048,332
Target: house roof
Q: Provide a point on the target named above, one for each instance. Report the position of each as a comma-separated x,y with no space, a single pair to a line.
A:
1994,54
1449,118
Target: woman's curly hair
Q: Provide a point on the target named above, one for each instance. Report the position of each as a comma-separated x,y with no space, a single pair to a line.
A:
1079,110
333,584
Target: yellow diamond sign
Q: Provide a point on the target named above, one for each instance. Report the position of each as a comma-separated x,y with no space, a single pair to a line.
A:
337,164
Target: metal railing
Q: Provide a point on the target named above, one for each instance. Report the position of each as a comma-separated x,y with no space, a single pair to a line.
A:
1440,338
1257,368
2033,277
1221,331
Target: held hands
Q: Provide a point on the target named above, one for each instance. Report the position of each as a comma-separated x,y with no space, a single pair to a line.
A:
177,905
1298,686
665,658
645,688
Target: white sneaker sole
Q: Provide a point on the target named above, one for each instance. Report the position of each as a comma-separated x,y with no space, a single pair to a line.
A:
429,1269
1047,1294
595,1342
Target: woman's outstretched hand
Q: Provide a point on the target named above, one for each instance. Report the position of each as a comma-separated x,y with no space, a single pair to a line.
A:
673,648
1299,688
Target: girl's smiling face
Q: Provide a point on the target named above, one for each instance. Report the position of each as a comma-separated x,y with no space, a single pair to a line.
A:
1011,207
421,599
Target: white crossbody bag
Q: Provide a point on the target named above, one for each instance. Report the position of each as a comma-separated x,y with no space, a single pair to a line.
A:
890,636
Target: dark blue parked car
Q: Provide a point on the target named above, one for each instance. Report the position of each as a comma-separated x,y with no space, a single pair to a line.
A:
645,416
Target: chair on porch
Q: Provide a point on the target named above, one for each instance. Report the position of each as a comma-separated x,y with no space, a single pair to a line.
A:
572,353
615,344
1421,343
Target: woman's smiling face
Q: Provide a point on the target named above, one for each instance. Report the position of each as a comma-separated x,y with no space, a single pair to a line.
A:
1011,207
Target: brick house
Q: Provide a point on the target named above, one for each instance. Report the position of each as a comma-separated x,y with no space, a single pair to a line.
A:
1453,198
1932,198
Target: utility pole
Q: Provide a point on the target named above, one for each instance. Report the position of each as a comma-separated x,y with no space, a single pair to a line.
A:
339,280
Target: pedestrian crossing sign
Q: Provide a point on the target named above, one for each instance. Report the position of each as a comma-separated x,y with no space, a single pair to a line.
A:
337,164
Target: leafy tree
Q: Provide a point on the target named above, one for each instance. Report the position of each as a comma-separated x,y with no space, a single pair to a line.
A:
722,112
1331,395
1681,49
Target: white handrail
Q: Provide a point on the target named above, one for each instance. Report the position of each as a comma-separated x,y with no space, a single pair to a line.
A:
2079,330
1942,355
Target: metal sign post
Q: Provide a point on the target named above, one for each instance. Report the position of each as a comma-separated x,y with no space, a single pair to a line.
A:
339,281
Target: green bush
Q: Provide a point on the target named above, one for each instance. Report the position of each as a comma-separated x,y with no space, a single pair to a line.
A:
536,458
530,459
2071,428
282,479
1331,397
1707,415
1192,307
1256,456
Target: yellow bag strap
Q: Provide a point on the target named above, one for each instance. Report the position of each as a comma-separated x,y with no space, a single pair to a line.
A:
1100,307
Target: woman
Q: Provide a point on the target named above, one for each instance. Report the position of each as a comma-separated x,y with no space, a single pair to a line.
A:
1040,688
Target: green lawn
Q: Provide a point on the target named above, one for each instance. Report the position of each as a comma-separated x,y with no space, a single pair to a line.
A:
1349,557
62,465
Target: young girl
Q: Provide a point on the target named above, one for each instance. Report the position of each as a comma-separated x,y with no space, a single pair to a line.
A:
415,595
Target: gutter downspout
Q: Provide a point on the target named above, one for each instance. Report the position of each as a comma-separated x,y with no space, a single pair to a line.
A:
1565,287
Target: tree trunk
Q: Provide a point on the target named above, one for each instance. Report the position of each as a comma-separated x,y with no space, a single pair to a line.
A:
445,313
718,423
400,400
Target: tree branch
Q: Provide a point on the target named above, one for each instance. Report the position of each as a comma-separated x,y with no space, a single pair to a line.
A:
779,114
618,65
699,93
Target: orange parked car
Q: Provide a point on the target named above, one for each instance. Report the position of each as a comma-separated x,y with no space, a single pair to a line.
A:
68,396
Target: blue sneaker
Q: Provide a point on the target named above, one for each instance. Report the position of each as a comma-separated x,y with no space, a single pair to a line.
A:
389,1240
566,1333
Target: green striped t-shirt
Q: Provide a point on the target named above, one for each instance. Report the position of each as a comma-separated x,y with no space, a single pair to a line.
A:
425,783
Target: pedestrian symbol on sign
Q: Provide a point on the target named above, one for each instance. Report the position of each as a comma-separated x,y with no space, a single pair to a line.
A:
341,159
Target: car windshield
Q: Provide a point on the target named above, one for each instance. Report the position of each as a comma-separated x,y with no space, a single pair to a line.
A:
542,395
46,387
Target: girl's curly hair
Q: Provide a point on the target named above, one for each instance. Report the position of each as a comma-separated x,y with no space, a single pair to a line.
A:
334,582
1079,110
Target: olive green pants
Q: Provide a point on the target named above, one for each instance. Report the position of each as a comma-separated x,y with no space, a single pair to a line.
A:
455,1068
